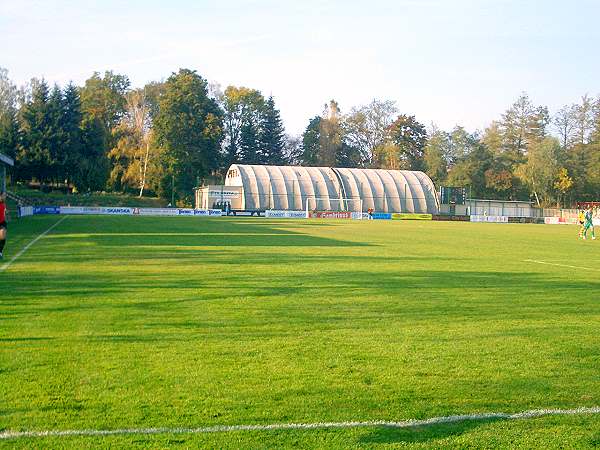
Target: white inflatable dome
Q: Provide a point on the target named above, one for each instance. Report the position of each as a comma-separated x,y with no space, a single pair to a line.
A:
293,187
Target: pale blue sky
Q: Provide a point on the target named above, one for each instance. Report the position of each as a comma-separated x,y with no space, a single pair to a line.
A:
446,61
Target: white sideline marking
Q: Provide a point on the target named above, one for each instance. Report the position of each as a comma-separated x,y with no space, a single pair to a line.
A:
303,426
559,265
24,249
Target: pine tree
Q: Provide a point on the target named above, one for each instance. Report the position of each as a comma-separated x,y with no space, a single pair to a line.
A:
272,135
33,156
249,144
310,142
72,135
54,135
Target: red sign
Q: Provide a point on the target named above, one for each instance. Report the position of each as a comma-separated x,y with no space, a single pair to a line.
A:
331,215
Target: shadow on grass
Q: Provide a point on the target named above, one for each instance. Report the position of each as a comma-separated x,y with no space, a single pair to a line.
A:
421,434
350,296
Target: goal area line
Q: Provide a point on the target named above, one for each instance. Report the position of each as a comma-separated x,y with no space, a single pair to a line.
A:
7,434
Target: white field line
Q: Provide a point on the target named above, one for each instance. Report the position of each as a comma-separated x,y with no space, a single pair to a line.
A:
559,265
24,249
303,426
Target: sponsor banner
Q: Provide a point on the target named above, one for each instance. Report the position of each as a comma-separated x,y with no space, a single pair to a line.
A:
224,194
489,219
280,214
120,211
332,215
80,210
208,212
46,210
25,211
117,211
596,221
360,216
455,218
158,211
561,220
382,216
411,216
525,220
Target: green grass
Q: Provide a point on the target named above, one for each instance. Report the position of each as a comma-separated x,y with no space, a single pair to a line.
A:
119,322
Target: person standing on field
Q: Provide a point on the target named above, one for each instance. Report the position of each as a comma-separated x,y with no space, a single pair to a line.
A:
581,221
2,223
589,223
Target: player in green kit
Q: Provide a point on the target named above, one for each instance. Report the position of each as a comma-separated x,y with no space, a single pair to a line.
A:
588,223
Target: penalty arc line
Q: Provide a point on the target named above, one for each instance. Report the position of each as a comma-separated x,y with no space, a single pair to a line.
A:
559,265
304,426
24,249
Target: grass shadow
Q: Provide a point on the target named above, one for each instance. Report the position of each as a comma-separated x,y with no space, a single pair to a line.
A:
422,434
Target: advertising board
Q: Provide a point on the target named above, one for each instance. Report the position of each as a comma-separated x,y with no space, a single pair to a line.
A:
281,214
46,210
489,219
331,215
411,216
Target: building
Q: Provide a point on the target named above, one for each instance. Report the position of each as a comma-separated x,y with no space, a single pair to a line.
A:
4,162
325,188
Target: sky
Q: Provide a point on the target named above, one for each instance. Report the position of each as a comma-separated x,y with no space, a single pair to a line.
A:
448,62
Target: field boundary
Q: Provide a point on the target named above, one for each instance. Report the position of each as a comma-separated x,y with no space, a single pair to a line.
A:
24,249
4,435
559,265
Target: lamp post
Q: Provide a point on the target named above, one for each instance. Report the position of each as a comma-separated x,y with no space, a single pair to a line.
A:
172,190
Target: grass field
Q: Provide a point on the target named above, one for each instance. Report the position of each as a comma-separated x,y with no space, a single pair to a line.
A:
137,322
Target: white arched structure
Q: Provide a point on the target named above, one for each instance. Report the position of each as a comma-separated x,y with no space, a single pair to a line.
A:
289,188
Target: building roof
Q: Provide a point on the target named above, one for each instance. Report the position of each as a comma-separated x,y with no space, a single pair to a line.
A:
297,188
7,160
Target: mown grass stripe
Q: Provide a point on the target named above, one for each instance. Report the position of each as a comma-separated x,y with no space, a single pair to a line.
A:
305,426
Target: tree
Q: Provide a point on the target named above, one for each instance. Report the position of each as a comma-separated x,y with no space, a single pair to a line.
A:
9,128
55,136
367,127
293,150
93,167
565,123
72,143
541,169
271,140
470,171
103,106
311,142
330,135
461,144
249,143
410,138
584,120
189,129
104,98
388,156
436,155
133,152
242,106
521,125
33,156
492,138
563,183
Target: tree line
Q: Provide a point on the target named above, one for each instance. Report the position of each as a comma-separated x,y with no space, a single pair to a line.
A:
169,136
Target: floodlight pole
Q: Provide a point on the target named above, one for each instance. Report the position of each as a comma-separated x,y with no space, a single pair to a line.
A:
173,191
